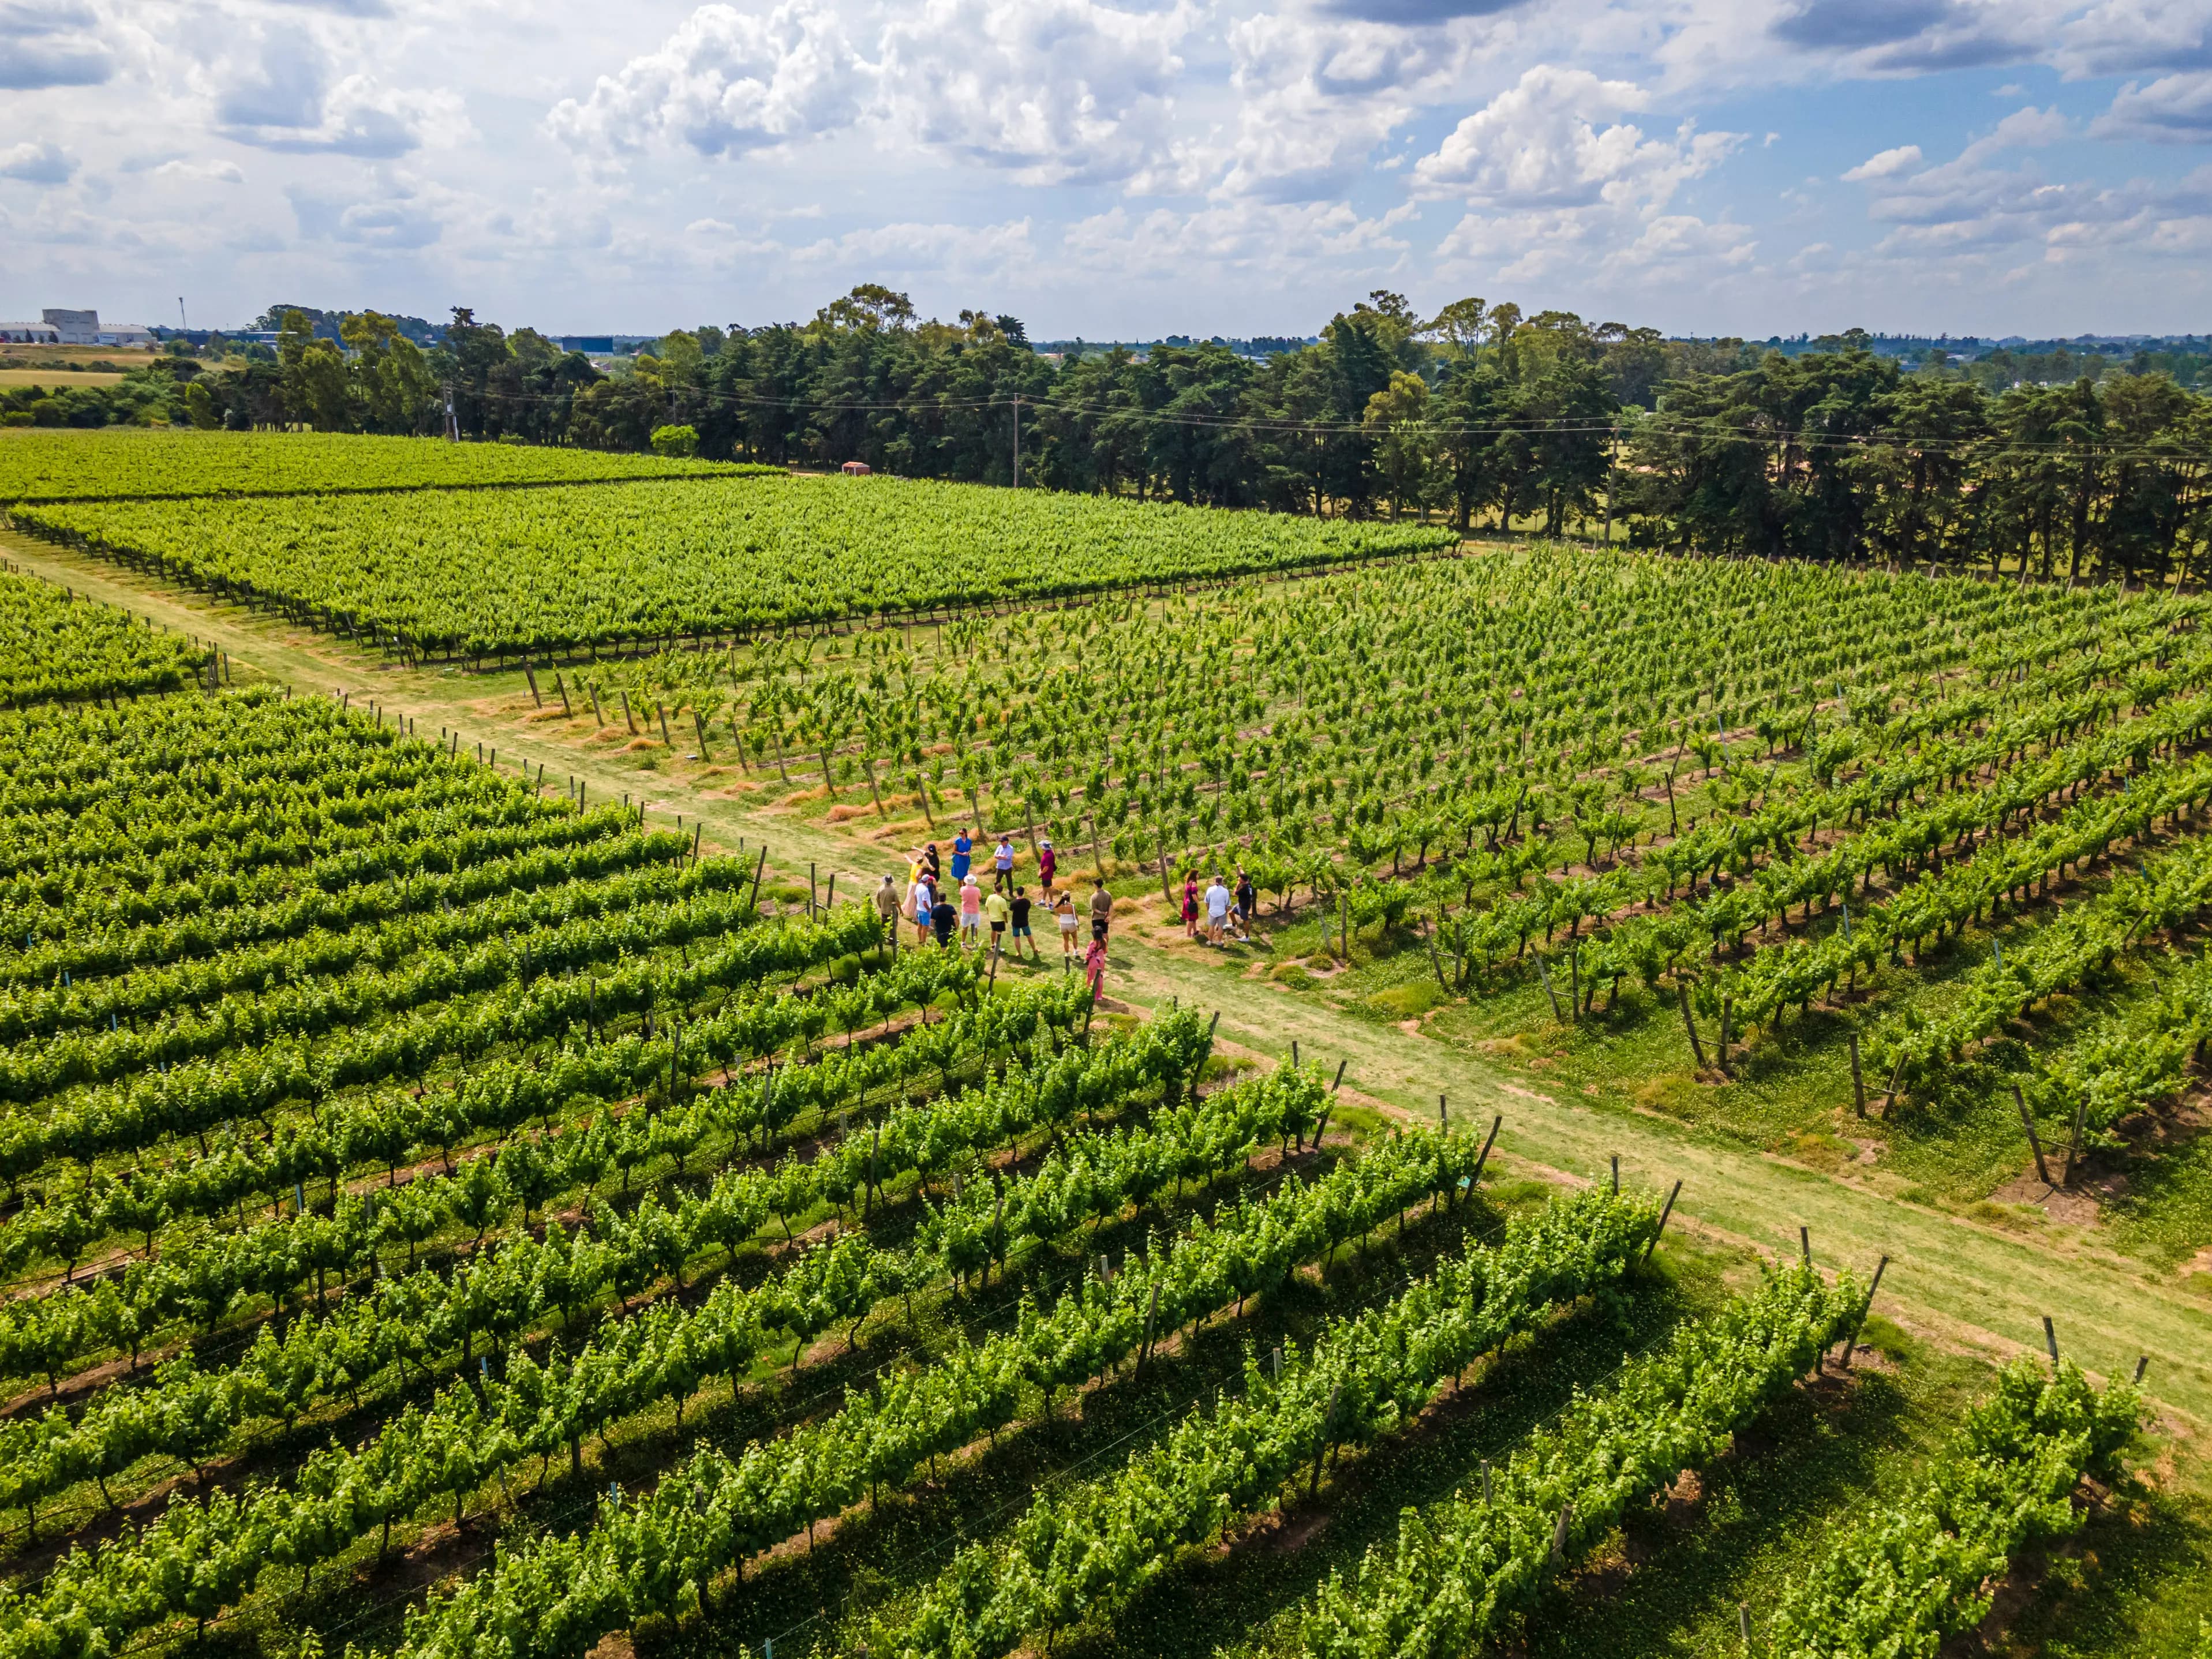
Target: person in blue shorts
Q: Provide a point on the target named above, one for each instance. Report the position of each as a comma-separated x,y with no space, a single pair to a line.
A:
1020,908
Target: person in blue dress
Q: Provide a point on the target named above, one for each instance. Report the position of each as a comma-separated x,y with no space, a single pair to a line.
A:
962,849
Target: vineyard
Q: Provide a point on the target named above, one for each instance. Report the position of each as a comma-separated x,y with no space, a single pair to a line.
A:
62,465
542,571
56,648
454,1208
1747,789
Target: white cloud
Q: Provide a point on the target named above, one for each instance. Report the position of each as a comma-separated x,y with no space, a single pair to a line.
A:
1915,36
997,251
1061,91
2132,37
41,163
215,171
1886,164
2174,109
1546,245
399,217
1561,184
2024,129
1245,238
51,43
285,97
1967,215
725,82
1539,143
1315,96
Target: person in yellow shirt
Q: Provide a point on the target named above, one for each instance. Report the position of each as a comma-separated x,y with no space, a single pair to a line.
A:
997,910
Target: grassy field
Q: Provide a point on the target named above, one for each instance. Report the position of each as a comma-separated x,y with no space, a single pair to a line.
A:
1976,1259
59,377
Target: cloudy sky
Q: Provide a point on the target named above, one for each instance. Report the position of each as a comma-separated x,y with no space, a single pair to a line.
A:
1128,168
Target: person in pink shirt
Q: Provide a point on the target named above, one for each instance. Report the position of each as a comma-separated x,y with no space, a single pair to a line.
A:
971,914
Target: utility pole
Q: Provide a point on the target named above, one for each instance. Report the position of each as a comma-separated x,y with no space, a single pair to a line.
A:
1613,443
1017,440
452,421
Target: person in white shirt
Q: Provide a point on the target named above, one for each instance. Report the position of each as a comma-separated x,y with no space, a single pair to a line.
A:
1218,898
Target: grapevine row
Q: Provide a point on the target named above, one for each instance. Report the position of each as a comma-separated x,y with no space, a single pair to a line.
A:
63,464
202,1282
200,1094
115,935
40,1005
366,1004
553,1598
1464,1569
402,1322
2079,943
1090,1549
470,1435
55,649
1910,1578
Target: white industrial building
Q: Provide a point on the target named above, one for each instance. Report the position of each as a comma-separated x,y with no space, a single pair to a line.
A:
56,326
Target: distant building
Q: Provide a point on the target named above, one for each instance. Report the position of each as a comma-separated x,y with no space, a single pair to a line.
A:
77,327
82,328
855,469
29,334
600,345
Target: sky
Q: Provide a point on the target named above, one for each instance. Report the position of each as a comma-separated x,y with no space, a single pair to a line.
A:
1116,170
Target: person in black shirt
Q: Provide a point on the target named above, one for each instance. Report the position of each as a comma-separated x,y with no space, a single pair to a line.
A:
1021,910
942,918
936,873
1247,901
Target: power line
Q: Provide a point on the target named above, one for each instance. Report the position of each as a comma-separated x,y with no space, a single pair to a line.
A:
1665,425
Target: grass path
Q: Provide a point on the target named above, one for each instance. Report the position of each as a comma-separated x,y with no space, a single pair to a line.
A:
1963,1282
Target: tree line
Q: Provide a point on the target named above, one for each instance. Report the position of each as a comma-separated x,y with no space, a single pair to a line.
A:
1484,416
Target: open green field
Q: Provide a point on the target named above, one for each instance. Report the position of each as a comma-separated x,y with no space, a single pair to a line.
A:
59,377
479,1183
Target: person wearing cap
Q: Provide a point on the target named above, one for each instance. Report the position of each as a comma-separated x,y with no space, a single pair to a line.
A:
971,914
1063,911
924,901
887,904
1047,861
1217,901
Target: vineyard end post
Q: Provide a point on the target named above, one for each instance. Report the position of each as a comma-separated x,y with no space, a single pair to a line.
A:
1483,1157
2034,1141
1663,1214
1851,1341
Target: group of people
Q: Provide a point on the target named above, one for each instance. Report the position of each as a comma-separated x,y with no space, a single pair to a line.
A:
958,907
1228,912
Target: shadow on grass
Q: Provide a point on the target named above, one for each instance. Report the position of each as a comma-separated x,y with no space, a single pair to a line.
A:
820,1600
2133,1581
1245,1596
